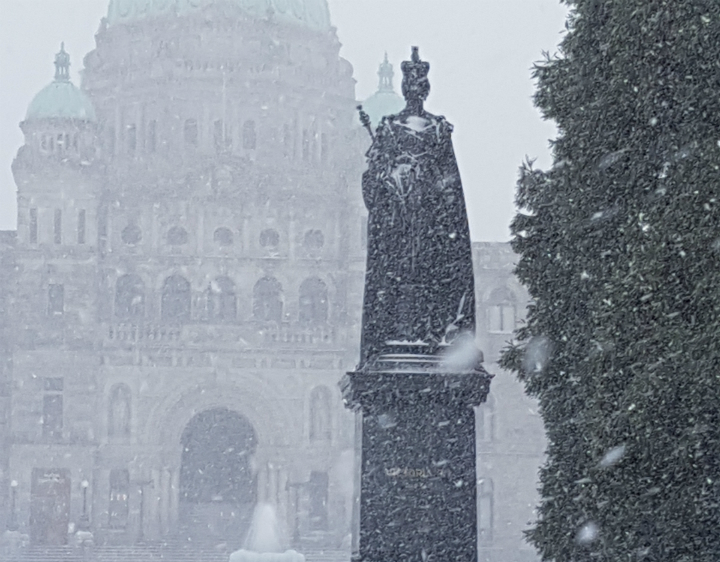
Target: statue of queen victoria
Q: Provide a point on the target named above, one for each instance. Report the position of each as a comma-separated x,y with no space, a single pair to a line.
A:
419,289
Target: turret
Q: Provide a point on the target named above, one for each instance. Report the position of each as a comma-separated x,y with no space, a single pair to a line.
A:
53,169
385,101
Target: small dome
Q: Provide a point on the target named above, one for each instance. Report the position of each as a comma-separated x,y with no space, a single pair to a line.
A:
385,101
309,13
61,99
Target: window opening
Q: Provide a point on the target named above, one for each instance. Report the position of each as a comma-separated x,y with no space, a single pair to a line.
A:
176,296
223,236
267,300
57,227
305,145
313,301
33,234
218,135
501,312
222,304
314,239
129,297
191,132
287,141
249,135
119,412
131,139
131,234
56,300
52,421
152,136
177,236
323,148
319,414
81,227
269,238
111,141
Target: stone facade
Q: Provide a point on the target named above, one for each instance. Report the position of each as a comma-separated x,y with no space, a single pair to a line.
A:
199,248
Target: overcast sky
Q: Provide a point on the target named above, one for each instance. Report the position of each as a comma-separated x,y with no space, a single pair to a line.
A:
481,53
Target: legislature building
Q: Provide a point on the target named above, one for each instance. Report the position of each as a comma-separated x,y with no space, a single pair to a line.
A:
184,288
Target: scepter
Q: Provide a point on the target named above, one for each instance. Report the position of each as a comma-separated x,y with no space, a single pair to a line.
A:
365,120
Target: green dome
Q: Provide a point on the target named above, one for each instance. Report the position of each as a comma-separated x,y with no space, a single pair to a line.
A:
61,99
385,101
310,13
381,104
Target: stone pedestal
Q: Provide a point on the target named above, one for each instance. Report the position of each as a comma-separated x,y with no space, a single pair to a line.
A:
417,480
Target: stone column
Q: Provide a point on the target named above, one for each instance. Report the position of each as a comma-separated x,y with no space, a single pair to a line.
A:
282,504
153,491
165,491
174,498
291,236
246,234
262,483
271,496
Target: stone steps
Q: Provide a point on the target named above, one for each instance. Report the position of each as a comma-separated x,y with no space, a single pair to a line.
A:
151,553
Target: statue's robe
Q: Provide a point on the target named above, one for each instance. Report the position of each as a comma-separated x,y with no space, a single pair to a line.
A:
419,289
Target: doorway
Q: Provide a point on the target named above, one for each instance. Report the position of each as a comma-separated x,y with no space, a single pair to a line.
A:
49,506
218,488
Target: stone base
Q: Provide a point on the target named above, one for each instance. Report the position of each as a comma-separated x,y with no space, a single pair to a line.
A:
417,480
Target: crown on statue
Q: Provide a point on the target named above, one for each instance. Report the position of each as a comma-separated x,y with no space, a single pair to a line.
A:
415,84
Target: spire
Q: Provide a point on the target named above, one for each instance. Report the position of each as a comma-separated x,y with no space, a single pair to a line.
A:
62,65
386,73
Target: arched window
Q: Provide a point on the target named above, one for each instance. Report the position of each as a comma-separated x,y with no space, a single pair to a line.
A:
485,420
501,311
269,238
129,297
190,132
119,412
221,301
131,234
267,300
249,135
313,301
177,236
485,510
319,429
223,236
314,240
175,303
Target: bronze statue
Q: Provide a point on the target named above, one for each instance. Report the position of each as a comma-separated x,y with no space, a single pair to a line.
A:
419,289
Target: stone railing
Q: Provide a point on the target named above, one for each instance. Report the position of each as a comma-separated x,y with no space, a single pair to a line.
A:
245,335
291,335
143,332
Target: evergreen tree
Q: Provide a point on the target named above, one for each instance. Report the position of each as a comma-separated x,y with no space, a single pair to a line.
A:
619,246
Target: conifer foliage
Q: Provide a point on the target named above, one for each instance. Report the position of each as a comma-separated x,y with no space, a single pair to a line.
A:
619,247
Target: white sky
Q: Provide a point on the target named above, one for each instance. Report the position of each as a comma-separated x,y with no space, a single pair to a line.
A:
480,51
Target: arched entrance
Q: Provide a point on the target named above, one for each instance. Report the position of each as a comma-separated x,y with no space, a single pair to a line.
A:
217,483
